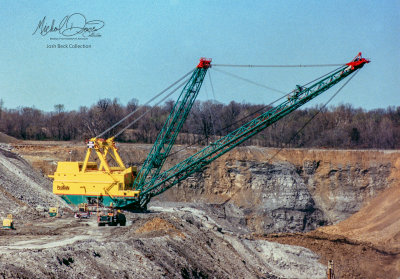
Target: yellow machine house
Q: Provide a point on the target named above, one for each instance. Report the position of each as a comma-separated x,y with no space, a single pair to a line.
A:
88,182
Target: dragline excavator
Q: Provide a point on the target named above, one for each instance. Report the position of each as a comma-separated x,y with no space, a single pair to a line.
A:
112,183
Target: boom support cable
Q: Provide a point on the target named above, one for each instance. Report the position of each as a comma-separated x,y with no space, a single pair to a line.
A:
261,109
315,115
277,66
250,81
213,92
230,125
154,106
148,102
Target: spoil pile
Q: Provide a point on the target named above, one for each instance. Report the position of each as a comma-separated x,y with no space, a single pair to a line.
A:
4,138
24,192
158,225
175,242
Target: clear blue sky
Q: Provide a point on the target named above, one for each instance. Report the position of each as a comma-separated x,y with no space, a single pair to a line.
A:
147,45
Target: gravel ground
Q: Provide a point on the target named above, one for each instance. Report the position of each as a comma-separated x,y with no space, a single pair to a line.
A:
178,242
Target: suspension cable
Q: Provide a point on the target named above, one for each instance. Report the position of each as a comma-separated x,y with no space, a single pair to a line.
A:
149,101
309,120
277,66
250,81
230,125
209,109
261,109
322,76
213,92
153,107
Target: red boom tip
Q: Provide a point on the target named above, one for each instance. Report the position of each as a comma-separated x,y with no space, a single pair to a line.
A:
357,62
204,63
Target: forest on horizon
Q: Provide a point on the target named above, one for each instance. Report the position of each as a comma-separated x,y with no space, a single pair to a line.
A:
341,126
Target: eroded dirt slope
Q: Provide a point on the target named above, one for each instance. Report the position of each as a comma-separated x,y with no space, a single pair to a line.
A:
24,191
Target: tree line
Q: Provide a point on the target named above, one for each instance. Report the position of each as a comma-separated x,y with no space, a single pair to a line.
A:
341,126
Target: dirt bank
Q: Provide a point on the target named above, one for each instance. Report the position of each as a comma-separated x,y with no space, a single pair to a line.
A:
352,259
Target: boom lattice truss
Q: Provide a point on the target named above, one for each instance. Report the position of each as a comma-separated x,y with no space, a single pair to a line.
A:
194,163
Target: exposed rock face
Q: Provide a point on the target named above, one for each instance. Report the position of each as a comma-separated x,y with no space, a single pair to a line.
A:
341,190
378,222
300,190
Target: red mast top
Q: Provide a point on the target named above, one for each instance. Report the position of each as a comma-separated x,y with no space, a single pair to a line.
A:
204,63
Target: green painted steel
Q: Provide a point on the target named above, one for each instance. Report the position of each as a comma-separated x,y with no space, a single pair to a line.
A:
106,200
204,157
167,136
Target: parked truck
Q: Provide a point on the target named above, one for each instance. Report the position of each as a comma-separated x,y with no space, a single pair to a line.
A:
111,217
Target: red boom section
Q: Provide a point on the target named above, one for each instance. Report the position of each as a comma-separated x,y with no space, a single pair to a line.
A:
204,63
357,62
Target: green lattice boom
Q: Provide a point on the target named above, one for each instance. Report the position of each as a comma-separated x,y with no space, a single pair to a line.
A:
210,153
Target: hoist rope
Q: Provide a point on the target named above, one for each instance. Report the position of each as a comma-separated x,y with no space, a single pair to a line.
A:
212,89
276,66
211,83
148,102
319,111
210,114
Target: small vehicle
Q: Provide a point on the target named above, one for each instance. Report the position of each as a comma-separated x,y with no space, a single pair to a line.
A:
8,223
53,212
83,211
111,217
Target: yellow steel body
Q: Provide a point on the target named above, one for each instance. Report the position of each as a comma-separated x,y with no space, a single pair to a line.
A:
8,222
53,211
87,178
